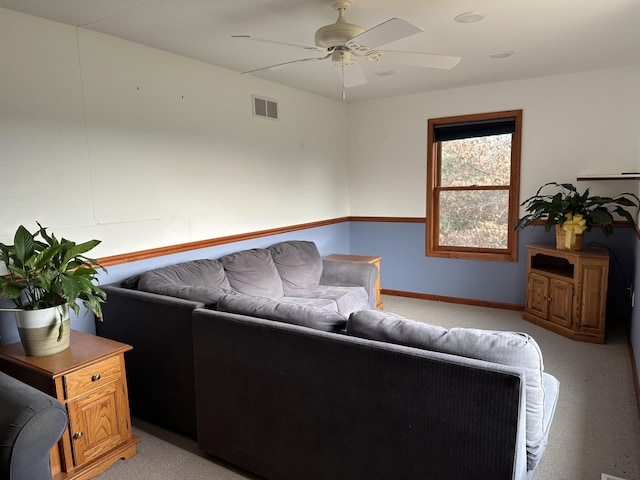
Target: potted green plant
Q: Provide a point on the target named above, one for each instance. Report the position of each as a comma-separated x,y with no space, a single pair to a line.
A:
573,213
45,277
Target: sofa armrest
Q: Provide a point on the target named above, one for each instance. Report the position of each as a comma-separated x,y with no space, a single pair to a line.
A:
31,422
159,329
344,273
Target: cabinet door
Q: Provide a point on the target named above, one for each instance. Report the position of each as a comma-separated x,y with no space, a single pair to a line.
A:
560,302
594,298
97,422
537,295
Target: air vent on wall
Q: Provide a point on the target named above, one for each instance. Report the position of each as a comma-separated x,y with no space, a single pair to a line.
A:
265,108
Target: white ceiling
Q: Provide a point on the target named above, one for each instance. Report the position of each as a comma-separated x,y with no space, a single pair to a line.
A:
548,37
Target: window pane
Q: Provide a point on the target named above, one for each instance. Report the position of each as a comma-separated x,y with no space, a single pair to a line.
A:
476,161
478,218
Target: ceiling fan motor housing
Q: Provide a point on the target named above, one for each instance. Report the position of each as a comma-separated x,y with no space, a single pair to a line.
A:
339,33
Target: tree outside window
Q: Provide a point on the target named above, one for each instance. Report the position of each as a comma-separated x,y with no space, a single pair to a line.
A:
473,186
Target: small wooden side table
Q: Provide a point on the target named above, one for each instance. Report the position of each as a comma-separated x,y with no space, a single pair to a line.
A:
366,259
89,379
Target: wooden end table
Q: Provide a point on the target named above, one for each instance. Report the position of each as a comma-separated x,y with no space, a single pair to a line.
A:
89,379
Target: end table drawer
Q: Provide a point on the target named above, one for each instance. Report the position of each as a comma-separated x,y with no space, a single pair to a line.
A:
92,377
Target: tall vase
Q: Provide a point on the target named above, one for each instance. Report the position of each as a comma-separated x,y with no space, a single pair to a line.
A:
44,331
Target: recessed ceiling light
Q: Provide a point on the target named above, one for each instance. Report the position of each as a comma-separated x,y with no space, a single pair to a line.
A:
470,17
385,73
503,54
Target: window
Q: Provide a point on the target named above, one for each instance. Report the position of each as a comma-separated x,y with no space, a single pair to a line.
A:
473,180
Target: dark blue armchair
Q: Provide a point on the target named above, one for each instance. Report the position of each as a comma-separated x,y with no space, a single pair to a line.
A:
31,422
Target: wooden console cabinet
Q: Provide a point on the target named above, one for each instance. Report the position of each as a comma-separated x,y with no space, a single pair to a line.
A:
89,379
366,259
567,291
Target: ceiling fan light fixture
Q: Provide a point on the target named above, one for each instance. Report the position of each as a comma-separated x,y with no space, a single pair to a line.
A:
470,17
341,58
339,33
336,34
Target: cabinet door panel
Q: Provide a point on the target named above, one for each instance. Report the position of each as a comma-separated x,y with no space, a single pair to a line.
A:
537,298
594,298
96,424
560,303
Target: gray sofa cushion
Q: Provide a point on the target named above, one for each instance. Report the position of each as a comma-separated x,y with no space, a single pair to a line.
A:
325,303
347,299
252,272
304,315
299,264
199,280
506,348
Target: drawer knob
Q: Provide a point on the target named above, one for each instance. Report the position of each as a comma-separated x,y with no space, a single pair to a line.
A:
77,435
95,377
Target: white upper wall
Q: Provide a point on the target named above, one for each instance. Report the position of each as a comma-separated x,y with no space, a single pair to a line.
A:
104,138
576,124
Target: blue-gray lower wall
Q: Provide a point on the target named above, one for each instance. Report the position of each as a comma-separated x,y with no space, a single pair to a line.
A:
404,265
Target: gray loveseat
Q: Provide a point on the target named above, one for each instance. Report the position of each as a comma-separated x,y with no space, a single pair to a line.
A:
153,311
31,422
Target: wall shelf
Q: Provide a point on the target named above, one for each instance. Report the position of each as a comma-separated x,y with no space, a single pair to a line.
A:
606,176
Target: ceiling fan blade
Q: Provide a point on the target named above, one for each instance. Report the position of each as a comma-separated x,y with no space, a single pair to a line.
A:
419,59
280,65
387,32
282,42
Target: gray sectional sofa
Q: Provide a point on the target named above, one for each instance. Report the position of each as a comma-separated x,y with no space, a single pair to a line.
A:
292,389
152,311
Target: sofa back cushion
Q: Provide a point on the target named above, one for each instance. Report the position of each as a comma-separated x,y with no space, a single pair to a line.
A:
506,348
199,280
252,272
299,264
296,314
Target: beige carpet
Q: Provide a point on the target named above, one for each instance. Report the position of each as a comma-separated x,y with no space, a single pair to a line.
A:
596,427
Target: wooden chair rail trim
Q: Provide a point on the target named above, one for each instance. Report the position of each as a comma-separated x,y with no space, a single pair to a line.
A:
212,242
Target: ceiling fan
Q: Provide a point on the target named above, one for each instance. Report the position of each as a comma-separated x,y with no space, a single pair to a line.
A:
344,43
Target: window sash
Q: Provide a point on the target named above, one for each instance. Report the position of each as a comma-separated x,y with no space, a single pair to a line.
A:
455,175
483,226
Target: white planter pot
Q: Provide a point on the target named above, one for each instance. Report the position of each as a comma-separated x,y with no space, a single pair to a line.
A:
40,330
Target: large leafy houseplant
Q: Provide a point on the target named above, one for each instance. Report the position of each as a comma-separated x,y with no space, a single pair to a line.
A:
565,203
45,272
